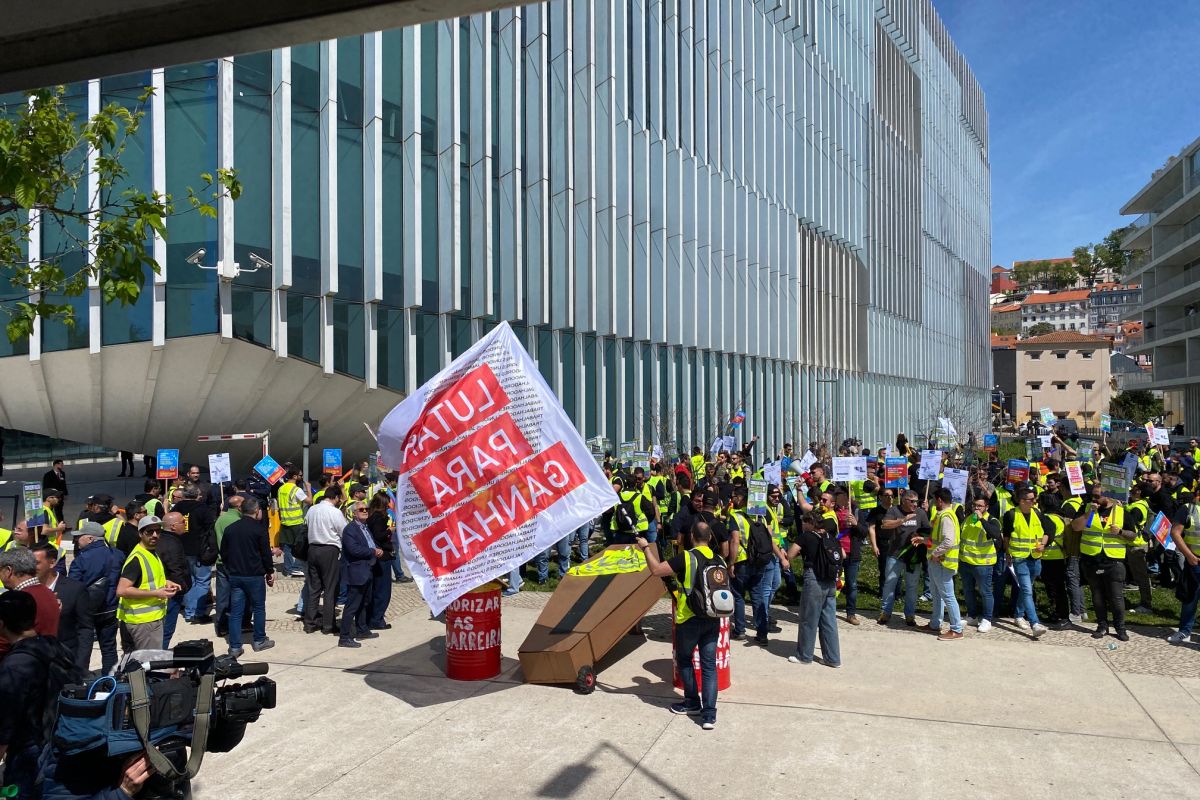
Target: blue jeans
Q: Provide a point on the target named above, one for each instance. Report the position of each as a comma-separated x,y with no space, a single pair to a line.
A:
514,582
198,594
542,560
941,580
247,591
851,587
1187,614
652,531
1026,569
980,576
106,635
396,565
762,586
698,632
895,569
583,536
739,580
290,561
818,613
171,619
1002,578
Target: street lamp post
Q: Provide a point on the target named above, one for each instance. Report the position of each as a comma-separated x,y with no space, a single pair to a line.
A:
1029,397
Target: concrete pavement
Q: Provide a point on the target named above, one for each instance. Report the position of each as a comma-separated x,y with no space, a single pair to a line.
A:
992,715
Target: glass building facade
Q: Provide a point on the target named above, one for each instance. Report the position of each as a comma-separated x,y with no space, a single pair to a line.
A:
682,208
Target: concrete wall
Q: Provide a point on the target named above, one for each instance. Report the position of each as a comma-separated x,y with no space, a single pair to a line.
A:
1050,371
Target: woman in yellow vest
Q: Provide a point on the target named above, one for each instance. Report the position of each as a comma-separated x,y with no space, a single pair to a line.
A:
977,559
943,565
1101,524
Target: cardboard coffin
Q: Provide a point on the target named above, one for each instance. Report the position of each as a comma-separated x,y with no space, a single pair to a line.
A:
585,618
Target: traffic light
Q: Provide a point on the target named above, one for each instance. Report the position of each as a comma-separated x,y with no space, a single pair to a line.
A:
312,431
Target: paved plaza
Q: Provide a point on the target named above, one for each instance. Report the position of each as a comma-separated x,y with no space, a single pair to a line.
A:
993,715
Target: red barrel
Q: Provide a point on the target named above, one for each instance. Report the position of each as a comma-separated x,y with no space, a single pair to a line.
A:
473,635
724,678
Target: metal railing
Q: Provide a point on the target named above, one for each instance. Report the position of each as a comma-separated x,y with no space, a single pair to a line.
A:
1162,288
1170,241
1173,328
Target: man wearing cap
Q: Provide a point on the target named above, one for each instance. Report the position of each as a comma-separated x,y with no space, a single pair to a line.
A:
98,567
175,563
54,527
143,592
99,510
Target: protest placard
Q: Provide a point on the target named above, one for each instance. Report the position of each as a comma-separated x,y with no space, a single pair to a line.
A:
218,468
773,473
1113,481
1048,417
1160,528
756,502
167,465
849,468
491,470
991,442
895,473
641,458
956,481
1075,477
1018,471
32,495
931,465
808,460
1106,423
1033,449
270,470
331,461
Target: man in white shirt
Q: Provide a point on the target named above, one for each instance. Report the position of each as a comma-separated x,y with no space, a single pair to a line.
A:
325,524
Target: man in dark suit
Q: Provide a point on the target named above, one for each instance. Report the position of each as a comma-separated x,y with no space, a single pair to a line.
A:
56,478
359,553
76,626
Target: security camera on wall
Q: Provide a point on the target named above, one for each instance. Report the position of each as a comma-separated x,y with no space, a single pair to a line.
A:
197,257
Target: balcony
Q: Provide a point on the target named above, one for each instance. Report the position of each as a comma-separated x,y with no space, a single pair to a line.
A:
1175,327
1162,288
1174,371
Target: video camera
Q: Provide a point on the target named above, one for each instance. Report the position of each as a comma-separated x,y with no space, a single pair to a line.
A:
171,708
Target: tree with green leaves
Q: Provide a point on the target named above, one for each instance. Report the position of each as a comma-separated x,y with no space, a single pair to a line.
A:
1091,260
1044,274
48,181
1138,406
1041,328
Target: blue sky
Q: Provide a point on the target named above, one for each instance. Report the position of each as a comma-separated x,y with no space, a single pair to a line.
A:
1085,99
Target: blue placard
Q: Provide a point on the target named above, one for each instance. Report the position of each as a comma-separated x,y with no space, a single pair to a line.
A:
167,465
990,441
331,460
895,473
270,470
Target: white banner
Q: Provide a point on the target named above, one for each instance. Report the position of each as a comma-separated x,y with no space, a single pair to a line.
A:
946,426
849,468
218,468
931,465
491,470
956,481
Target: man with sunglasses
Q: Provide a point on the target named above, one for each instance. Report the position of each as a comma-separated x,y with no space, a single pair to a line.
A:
359,554
1027,532
143,592
905,523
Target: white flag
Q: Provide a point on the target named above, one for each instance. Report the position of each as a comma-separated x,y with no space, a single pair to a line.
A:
491,470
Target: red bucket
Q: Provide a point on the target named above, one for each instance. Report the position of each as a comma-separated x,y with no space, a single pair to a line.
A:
473,635
724,678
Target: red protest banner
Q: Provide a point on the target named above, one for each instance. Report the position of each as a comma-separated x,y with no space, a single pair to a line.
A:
470,463
452,412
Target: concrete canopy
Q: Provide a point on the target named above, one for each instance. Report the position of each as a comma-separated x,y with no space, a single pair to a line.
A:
72,40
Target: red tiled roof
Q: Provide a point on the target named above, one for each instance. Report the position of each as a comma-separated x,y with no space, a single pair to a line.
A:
1007,307
1001,284
1069,296
1003,342
1066,337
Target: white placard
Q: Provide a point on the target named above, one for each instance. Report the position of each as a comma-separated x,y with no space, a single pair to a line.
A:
1047,441
491,470
729,444
1162,436
773,473
849,468
956,481
946,426
218,468
656,452
808,460
931,465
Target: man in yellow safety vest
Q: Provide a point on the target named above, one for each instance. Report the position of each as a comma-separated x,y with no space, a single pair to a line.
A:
943,565
1026,533
143,591
1102,542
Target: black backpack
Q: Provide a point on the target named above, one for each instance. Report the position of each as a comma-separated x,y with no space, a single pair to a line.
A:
710,596
759,547
828,562
626,516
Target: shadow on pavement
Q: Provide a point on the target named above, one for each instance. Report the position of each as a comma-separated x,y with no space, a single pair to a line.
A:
569,780
417,676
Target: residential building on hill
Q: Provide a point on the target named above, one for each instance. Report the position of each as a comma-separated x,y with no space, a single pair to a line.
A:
1066,371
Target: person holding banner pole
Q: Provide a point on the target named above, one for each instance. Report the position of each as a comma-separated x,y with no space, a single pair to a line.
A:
1185,533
